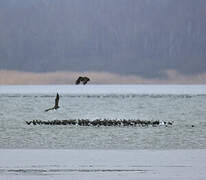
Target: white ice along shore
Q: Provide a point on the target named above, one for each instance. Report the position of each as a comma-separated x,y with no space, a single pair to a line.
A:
103,89
21,164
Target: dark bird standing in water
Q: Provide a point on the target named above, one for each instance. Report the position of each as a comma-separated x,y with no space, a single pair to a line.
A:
84,80
56,106
28,122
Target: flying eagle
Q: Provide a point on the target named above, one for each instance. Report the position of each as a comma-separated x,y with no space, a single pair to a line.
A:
56,106
84,80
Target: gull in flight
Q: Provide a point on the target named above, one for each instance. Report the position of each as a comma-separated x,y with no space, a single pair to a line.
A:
56,106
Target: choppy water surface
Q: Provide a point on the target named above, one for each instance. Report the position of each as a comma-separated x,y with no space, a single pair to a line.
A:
185,105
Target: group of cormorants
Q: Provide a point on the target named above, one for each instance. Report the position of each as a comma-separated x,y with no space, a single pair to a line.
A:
101,122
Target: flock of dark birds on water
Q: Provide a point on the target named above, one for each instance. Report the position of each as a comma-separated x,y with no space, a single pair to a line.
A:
96,122
101,122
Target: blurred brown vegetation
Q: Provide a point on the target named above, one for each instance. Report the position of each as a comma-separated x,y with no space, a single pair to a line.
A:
61,77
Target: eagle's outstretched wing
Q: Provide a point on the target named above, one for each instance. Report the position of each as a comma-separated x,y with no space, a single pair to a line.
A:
49,109
56,101
78,80
85,80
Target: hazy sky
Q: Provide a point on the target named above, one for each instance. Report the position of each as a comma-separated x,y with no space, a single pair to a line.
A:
129,37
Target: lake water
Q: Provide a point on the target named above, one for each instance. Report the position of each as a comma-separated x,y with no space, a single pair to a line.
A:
183,104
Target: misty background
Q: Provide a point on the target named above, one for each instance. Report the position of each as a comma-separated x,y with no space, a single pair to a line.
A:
129,37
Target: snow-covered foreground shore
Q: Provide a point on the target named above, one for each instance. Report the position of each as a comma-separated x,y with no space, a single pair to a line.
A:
21,164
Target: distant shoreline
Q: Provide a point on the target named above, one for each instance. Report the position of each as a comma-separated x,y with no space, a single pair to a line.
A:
10,77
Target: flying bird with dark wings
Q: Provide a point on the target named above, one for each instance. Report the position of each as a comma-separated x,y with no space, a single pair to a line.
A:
56,106
84,80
